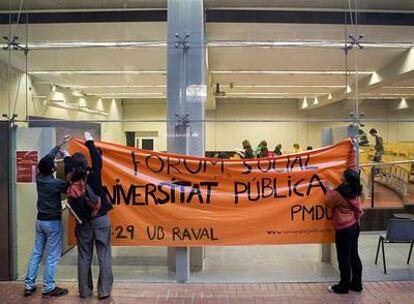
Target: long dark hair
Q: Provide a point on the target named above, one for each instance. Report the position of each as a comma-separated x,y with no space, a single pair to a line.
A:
79,166
352,187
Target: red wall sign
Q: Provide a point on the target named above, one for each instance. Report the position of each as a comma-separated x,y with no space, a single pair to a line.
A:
26,163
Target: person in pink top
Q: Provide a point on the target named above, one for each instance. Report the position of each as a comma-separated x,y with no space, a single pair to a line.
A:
346,205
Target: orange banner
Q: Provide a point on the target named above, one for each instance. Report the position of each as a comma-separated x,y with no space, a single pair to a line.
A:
163,199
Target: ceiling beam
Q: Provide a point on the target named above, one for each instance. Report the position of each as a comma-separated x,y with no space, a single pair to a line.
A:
399,69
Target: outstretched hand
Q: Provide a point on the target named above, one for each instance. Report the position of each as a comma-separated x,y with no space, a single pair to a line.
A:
65,140
88,136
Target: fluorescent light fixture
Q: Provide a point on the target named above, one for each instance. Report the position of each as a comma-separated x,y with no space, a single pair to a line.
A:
164,72
127,93
97,72
389,94
276,93
398,87
291,72
283,86
258,97
115,86
74,107
304,103
134,97
315,101
403,104
377,97
77,93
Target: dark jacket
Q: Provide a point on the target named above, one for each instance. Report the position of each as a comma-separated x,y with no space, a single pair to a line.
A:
94,179
248,153
49,189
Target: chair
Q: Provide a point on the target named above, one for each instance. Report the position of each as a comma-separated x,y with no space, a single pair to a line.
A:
398,231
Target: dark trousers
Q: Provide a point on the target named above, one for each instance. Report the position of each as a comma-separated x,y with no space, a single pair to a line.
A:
350,265
98,232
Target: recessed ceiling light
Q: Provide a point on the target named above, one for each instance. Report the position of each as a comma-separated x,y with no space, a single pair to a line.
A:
291,72
403,104
96,72
304,103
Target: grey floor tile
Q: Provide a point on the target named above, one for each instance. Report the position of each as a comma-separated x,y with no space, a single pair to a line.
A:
283,263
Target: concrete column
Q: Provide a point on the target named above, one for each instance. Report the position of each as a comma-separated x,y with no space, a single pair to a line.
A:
186,92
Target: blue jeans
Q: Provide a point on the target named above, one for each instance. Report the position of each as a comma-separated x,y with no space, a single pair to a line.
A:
49,240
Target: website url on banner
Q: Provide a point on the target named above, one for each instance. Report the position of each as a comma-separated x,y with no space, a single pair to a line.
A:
299,231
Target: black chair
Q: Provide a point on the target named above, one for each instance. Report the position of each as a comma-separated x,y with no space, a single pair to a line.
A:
398,231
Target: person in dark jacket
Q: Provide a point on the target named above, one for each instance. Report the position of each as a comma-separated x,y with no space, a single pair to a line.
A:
96,228
247,150
48,226
346,205
278,150
379,145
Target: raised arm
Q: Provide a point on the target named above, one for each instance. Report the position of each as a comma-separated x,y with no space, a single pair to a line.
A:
53,153
93,152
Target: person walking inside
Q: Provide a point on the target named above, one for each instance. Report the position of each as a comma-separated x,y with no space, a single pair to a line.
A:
88,199
379,145
48,226
346,205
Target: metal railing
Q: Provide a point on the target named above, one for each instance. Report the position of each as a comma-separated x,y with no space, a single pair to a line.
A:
394,175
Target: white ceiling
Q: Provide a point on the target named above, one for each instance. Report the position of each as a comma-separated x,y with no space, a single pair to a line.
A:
119,61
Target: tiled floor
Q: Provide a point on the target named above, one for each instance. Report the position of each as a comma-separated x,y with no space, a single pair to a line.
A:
394,292
283,263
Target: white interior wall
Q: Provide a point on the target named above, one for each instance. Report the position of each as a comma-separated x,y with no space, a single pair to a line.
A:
229,135
147,110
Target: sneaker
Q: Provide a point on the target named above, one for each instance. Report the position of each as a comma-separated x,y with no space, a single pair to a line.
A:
29,292
56,292
337,289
